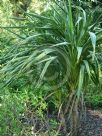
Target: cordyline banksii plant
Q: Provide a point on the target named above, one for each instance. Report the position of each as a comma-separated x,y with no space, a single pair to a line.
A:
65,42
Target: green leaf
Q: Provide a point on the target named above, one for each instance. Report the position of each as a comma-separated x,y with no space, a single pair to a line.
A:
79,50
87,67
93,40
81,81
47,64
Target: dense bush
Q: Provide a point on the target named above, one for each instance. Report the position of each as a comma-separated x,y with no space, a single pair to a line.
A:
94,100
24,114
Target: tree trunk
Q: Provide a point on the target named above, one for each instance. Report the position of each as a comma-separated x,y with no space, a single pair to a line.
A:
74,120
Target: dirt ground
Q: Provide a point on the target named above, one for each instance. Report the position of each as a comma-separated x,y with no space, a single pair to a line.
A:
93,124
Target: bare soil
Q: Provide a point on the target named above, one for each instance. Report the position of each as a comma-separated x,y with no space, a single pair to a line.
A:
92,126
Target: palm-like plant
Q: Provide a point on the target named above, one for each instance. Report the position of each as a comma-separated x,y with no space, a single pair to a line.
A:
65,42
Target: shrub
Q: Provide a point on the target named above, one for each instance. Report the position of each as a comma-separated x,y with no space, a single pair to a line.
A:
94,100
18,110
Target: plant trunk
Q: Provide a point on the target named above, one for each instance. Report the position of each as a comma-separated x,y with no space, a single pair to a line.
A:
74,120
